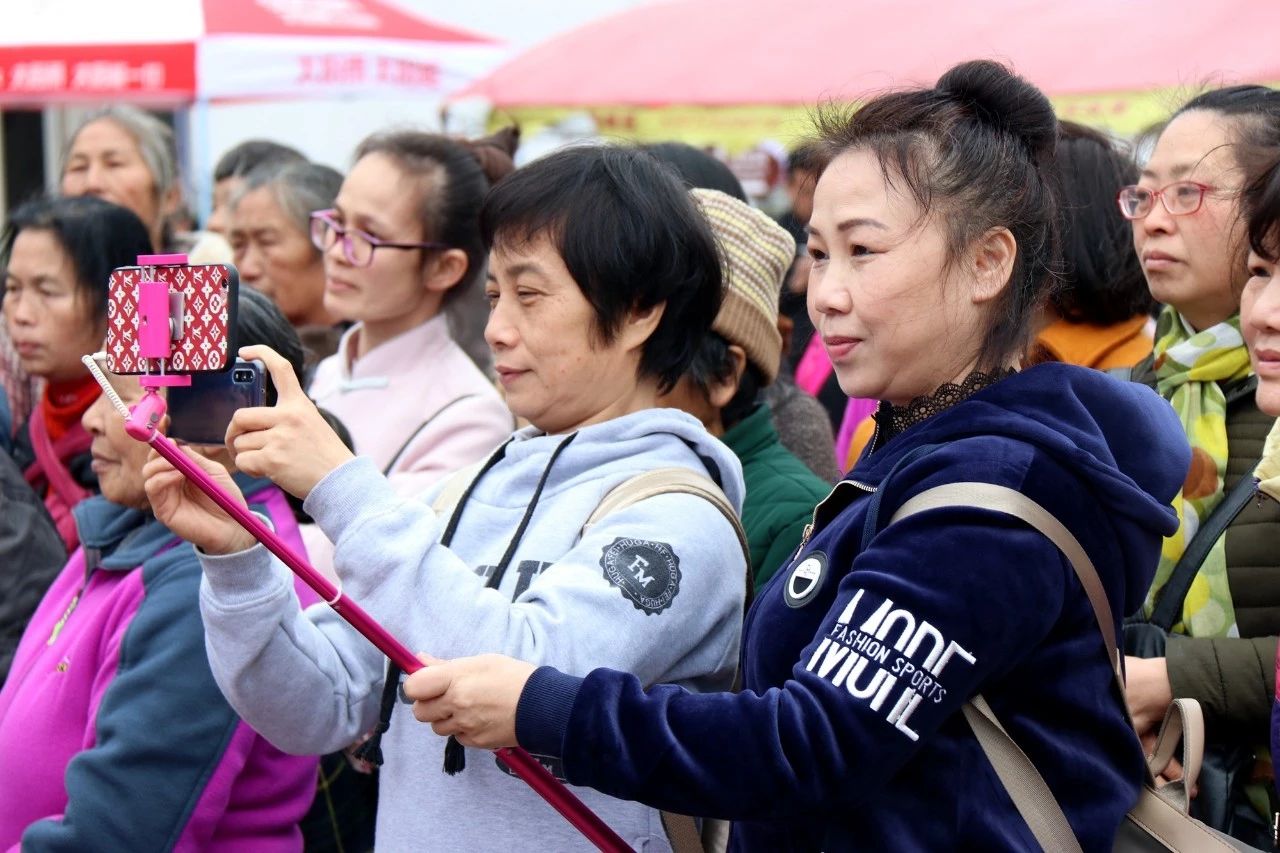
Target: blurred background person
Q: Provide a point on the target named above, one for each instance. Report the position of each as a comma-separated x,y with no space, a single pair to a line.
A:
1189,236
270,233
58,256
1098,315
801,422
401,242
732,364
232,168
127,156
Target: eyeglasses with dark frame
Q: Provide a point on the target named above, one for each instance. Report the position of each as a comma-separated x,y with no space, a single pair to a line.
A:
1180,198
357,246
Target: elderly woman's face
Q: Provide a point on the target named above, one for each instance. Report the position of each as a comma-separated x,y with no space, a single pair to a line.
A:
275,256
117,458
1260,324
105,161
554,369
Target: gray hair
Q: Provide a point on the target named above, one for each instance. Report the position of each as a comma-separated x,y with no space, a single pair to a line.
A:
152,136
299,189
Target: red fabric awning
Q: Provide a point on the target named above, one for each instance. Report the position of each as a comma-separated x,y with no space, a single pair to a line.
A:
726,52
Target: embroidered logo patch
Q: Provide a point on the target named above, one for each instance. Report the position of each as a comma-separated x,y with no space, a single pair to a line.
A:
806,580
648,573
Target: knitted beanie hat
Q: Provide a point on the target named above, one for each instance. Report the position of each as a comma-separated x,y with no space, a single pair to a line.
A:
756,253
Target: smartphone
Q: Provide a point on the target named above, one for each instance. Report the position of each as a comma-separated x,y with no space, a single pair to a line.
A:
207,295
199,413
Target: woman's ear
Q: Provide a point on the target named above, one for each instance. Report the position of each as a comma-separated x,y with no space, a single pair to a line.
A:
722,391
993,257
640,325
444,269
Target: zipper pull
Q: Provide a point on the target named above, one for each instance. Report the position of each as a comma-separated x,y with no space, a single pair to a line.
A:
804,539
57,627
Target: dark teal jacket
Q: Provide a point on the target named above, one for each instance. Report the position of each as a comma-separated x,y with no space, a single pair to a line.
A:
781,493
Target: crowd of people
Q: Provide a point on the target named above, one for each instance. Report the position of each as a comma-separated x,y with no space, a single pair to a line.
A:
645,474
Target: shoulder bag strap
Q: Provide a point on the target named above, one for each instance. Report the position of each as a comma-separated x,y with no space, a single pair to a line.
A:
670,481
1026,787
1011,502
1161,814
1168,609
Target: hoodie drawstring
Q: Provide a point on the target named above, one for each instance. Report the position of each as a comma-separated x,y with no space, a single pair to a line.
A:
454,755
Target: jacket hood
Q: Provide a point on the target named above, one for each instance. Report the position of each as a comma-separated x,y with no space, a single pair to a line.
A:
632,443
1121,438
121,538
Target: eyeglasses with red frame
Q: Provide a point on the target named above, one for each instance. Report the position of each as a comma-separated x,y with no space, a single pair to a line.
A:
1181,198
357,246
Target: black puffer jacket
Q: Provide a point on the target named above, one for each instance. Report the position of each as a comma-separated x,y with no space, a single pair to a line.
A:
31,555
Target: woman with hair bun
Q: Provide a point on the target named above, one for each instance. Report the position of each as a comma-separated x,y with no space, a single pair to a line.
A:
401,245
934,238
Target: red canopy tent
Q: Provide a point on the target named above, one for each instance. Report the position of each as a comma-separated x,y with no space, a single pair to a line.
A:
1100,56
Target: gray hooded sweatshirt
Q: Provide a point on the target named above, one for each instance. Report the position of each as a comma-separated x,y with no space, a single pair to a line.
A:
655,589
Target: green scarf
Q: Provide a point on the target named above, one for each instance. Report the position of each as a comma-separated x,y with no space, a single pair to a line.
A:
1190,369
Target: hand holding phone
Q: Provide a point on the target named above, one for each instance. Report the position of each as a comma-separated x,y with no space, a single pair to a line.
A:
290,442
201,412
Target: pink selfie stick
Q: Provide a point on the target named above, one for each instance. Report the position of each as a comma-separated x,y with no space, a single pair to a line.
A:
142,423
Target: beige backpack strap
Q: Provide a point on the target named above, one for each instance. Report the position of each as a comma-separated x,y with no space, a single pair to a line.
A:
447,498
671,481
1159,814
1012,502
682,830
1023,783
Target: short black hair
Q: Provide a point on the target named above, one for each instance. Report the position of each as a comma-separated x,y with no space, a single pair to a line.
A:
810,156
1262,199
259,322
712,363
629,234
97,236
978,150
252,154
1102,281
697,168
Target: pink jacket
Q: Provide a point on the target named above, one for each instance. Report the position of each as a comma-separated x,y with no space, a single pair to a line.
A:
416,405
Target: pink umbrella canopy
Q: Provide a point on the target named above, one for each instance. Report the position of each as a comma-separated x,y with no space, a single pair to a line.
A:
735,52
181,50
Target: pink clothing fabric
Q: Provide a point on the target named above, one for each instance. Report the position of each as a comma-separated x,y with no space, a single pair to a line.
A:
66,704
813,368
855,412
416,405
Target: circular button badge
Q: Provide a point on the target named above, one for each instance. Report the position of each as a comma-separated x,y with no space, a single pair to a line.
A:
806,580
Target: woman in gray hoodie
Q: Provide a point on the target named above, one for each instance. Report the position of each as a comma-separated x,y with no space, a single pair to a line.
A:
602,279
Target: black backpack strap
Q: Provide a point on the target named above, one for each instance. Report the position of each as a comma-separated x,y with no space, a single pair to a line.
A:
1168,607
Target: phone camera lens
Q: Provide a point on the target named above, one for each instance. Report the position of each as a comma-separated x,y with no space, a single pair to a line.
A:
243,376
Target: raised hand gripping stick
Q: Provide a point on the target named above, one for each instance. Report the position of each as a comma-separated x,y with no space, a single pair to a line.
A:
141,423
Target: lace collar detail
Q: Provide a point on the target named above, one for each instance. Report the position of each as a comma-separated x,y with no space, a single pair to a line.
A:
893,420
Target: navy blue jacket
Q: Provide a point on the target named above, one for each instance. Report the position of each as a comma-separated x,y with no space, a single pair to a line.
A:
859,654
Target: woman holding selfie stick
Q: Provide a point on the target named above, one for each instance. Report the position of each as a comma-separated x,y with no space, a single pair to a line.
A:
602,275
933,244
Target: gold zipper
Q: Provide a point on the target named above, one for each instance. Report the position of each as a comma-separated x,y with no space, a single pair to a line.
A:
808,528
57,626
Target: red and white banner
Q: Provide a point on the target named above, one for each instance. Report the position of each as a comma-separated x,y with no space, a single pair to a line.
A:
180,50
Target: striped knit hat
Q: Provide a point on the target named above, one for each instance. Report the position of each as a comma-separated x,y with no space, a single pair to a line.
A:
757,253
